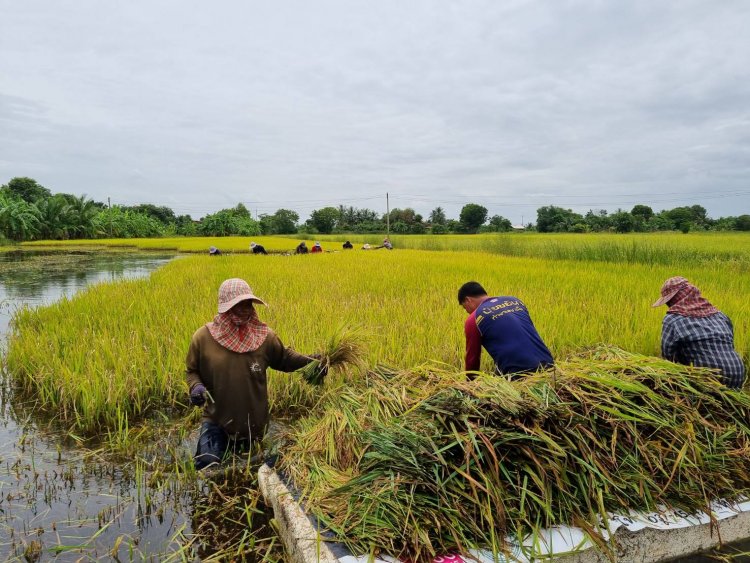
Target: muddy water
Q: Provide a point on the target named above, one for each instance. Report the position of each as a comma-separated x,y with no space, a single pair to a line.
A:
59,501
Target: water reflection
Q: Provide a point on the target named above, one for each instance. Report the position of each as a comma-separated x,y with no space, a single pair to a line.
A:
32,278
59,500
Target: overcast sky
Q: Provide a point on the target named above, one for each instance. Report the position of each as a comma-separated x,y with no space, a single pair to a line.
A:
301,104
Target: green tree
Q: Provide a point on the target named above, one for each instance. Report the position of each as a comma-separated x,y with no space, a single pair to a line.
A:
742,223
185,226
500,224
552,219
82,213
622,221
283,222
596,221
226,222
472,217
437,216
683,218
55,218
642,211
161,213
19,219
27,189
324,220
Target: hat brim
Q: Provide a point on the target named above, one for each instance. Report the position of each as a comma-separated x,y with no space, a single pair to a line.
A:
665,299
224,307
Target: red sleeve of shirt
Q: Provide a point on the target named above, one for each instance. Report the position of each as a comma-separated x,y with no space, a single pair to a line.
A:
473,343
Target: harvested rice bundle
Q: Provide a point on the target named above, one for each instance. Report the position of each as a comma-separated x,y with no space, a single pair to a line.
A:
327,444
465,464
344,348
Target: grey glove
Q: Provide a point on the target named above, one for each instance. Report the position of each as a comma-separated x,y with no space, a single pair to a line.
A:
198,395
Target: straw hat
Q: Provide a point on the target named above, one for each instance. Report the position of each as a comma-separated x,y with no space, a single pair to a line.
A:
234,290
669,289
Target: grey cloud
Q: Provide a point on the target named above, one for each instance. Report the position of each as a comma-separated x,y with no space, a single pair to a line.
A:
202,106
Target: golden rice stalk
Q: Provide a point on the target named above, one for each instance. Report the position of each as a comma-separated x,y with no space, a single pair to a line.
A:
345,348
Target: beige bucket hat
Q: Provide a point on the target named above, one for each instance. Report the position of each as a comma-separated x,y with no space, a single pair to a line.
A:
234,290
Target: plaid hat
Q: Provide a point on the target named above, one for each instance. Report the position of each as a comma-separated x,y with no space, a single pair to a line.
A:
669,289
234,290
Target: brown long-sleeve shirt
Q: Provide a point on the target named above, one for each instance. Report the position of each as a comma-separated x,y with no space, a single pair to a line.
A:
237,382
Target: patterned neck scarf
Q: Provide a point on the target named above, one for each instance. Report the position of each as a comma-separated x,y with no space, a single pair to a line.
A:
688,302
236,334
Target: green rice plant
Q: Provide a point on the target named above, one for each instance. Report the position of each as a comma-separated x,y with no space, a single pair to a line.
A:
199,245
732,249
116,352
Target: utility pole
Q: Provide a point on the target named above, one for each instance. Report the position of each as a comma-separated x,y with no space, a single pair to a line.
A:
109,206
387,216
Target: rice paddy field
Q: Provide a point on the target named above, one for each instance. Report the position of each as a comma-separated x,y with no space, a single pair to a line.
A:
642,248
107,364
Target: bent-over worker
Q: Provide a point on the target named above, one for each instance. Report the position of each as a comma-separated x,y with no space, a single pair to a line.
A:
226,372
502,326
256,248
694,332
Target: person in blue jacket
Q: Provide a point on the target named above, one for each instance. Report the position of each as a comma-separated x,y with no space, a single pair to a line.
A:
502,326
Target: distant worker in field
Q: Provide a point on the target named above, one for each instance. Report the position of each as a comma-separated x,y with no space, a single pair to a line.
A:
213,251
502,326
256,248
347,245
226,372
301,248
366,246
694,332
387,244
316,248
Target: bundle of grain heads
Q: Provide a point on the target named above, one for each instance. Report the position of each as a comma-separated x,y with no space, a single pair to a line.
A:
422,462
344,350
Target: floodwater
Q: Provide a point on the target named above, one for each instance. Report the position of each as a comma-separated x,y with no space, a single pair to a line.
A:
58,501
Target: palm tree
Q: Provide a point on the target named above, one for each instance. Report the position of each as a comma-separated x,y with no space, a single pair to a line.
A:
55,218
82,213
19,220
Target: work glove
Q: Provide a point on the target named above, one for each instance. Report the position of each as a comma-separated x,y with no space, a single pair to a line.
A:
321,372
197,395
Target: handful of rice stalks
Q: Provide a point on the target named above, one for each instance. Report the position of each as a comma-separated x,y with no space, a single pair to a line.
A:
345,348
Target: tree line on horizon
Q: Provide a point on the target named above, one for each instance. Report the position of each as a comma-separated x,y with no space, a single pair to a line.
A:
29,211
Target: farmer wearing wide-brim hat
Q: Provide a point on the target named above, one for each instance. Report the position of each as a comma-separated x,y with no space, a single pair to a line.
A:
694,332
226,372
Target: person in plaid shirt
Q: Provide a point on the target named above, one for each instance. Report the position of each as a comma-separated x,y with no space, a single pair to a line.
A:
694,332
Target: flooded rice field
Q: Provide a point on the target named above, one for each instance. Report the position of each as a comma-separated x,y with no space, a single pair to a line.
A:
61,500
66,498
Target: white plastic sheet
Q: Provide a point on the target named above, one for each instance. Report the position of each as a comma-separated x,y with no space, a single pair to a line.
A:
567,539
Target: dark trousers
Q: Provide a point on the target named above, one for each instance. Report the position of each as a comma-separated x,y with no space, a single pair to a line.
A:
214,444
